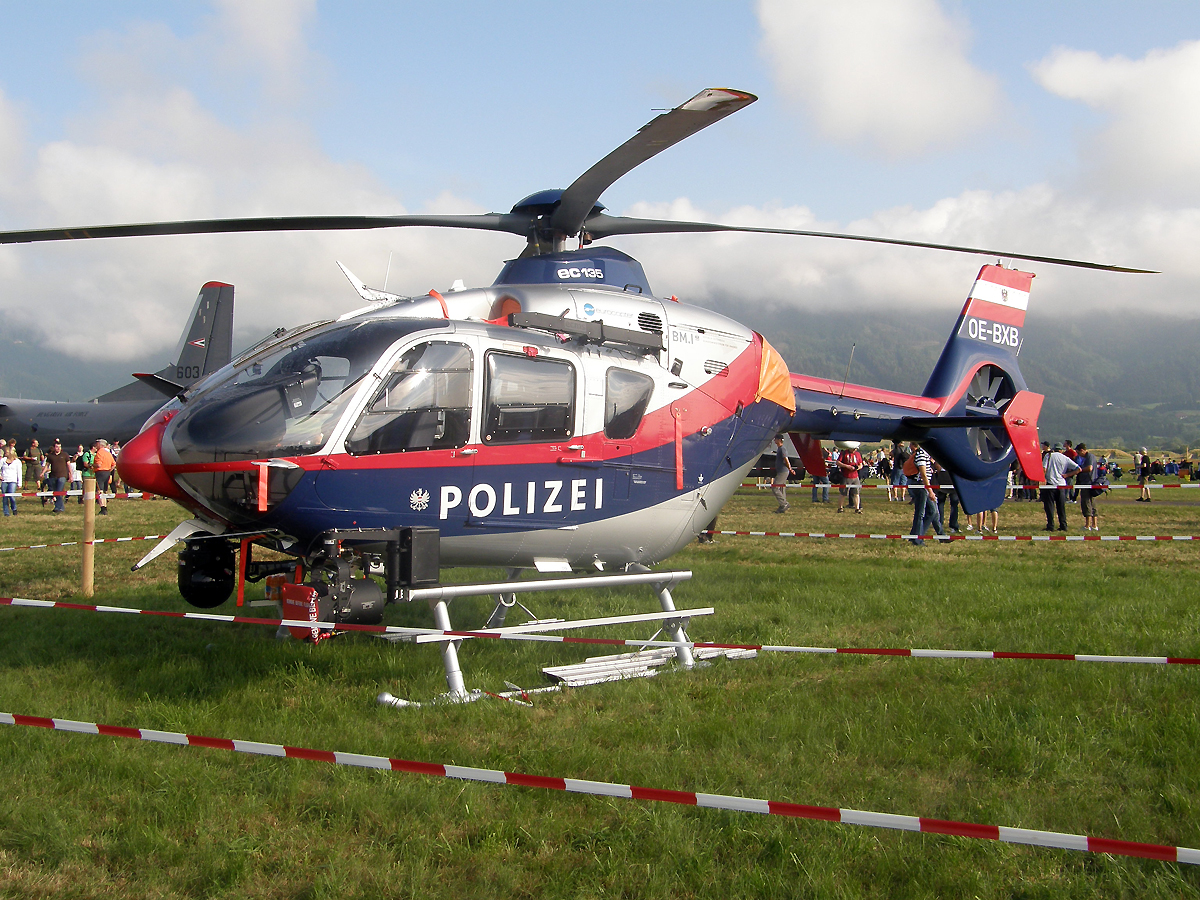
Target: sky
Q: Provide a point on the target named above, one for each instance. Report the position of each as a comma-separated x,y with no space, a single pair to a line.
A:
1063,129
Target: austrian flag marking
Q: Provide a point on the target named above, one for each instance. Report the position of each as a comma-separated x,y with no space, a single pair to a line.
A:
995,309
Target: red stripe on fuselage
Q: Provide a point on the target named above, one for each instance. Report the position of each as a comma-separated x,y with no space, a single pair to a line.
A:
707,405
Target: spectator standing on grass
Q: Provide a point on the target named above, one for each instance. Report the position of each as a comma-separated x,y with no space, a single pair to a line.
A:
1143,475
11,472
58,473
1069,453
115,450
33,464
1054,491
84,464
884,467
850,461
783,468
946,491
103,464
981,520
898,483
77,472
821,482
923,494
1089,486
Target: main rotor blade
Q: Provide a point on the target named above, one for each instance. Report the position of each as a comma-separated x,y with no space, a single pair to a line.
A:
670,128
603,225
507,222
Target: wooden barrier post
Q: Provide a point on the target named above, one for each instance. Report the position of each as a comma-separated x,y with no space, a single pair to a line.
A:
87,586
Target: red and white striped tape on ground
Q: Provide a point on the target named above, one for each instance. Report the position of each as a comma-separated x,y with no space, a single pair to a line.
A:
135,495
728,802
786,534
608,642
967,537
883,487
119,540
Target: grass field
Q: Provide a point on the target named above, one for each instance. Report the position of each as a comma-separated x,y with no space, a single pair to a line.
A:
1101,749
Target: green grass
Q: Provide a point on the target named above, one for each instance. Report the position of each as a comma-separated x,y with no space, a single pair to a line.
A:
1106,750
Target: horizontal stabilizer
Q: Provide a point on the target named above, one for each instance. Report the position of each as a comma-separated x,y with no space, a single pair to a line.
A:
160,384
953,421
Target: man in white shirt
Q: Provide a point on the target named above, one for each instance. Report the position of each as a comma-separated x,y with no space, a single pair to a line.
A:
1054,491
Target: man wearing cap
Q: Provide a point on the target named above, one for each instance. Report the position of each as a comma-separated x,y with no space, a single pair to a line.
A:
1054,491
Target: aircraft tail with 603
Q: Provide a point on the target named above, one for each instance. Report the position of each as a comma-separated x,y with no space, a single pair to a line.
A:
976,414
205,346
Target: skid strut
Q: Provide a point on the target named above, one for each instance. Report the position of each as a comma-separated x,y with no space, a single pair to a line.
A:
439,598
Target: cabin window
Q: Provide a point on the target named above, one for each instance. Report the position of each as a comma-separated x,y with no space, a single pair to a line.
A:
424,403
528,399
626,396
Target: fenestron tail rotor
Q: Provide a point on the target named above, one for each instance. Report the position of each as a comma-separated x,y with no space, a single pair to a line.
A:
990,391
548,218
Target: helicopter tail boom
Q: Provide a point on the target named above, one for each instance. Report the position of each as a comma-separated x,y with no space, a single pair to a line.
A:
975,415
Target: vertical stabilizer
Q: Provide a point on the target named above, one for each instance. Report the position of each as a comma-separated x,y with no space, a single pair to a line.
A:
977,375
205,346
208,343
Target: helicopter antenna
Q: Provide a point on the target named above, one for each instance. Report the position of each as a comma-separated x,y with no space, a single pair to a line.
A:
389,269
847,378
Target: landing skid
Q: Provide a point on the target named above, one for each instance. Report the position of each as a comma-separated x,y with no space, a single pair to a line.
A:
673,622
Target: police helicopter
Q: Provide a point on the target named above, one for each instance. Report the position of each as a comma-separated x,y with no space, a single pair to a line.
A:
564,418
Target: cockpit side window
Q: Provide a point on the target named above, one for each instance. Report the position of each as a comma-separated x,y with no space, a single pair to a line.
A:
527,399
424,403
287,398
626,396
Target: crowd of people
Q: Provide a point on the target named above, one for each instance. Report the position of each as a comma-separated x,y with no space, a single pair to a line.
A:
56,471
1073,474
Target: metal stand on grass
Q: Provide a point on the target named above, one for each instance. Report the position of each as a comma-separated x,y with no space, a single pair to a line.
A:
439,597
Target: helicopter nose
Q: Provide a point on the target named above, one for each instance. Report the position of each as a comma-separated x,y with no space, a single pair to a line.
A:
140,464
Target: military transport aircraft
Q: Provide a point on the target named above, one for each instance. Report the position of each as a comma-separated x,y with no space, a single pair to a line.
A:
563,418
204,347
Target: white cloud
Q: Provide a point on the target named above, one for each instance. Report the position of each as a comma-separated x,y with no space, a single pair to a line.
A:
12,145
270,32
810,273
1151,141
890,74
149,150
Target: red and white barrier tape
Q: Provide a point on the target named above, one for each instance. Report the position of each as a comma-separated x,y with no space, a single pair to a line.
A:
609,642
134,495
967,537
119,540
786,534
802,485
728,802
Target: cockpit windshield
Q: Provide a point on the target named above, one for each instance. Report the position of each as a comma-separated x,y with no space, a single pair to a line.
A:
286,399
